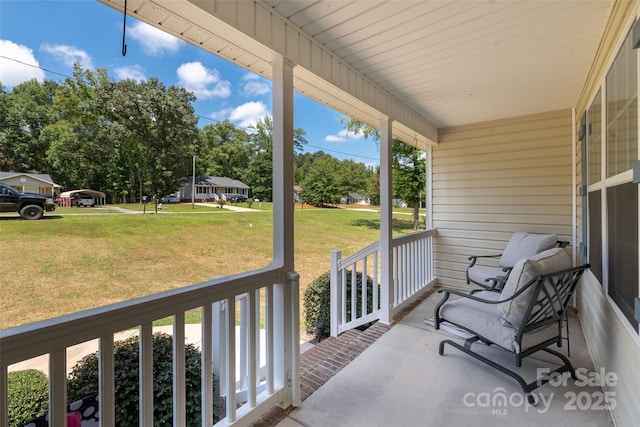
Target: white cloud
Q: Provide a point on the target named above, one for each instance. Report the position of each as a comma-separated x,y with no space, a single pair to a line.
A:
253,85
135,72
205,83
222,114
343,136
13,73
154,42
248,114
68,55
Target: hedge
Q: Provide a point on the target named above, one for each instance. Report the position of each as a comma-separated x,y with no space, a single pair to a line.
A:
317,300
28,393
83,381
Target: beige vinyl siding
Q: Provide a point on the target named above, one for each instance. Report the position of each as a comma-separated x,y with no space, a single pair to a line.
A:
491,179
613,348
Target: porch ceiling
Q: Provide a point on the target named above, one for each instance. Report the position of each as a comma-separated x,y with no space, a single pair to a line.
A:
462,62
450,62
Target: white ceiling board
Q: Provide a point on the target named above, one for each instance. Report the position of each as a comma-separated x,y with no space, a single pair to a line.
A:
458,62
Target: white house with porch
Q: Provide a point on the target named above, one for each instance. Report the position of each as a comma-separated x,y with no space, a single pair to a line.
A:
528,114
211,188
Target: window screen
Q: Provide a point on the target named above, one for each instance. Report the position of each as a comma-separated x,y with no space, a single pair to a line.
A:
622,224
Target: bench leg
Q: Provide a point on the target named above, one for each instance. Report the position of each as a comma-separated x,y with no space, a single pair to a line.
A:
527,388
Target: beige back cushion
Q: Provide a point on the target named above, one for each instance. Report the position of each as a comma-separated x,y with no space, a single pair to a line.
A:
550,261
523,245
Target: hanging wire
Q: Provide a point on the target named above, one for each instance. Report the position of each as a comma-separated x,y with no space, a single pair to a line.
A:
124,29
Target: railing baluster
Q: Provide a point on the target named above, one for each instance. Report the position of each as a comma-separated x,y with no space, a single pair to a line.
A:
220,332
242,340
422,261
336,297
253,345
395,279
146,375
58,387
411,264
4,400
179,389
376,302
343,291
354,291
365,289
294,282
107,384
207,366
258,342
269,331
231,359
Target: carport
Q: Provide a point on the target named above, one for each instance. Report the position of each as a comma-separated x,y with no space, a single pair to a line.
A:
67,196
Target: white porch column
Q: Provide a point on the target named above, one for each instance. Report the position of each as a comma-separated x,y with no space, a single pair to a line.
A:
428,164
286,312
386,194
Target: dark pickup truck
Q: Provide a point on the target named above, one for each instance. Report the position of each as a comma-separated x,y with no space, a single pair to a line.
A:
28,205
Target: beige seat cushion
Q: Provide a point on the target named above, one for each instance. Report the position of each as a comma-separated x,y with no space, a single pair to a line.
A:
552,260
480,273
483,319
523,245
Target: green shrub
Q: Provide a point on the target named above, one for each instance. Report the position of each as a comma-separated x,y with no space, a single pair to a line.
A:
28,393
317,300
83,381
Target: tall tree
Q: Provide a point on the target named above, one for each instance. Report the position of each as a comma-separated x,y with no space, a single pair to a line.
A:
224,150
373,186
161,125
322,184
409,177
353,177
78,146
6,157
303,163
259,174
25,112
408,167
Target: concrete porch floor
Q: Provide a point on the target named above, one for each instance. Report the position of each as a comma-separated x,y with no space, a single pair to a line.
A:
401,380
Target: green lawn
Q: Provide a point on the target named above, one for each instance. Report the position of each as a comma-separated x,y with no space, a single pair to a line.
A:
78,258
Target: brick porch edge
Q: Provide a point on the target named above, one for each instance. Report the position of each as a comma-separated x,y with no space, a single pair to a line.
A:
329,356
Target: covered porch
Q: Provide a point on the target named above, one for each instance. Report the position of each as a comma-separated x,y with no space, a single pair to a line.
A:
502,114
400,379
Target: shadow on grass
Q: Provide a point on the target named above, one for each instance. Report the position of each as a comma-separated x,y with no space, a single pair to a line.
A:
18,218
374,224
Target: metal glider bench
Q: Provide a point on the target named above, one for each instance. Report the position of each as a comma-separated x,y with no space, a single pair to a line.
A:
521,245
526,317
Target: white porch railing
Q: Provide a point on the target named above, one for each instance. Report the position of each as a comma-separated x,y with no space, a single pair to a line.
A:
258,297
353,306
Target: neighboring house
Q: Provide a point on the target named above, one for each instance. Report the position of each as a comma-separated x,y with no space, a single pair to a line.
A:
399,202
355,199
211,188
40,183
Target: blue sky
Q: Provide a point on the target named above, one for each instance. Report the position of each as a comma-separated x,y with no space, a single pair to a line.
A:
50,35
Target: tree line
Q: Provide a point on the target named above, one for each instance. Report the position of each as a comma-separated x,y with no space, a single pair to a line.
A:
132,138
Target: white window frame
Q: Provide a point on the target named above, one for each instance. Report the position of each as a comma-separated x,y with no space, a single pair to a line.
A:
622,178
